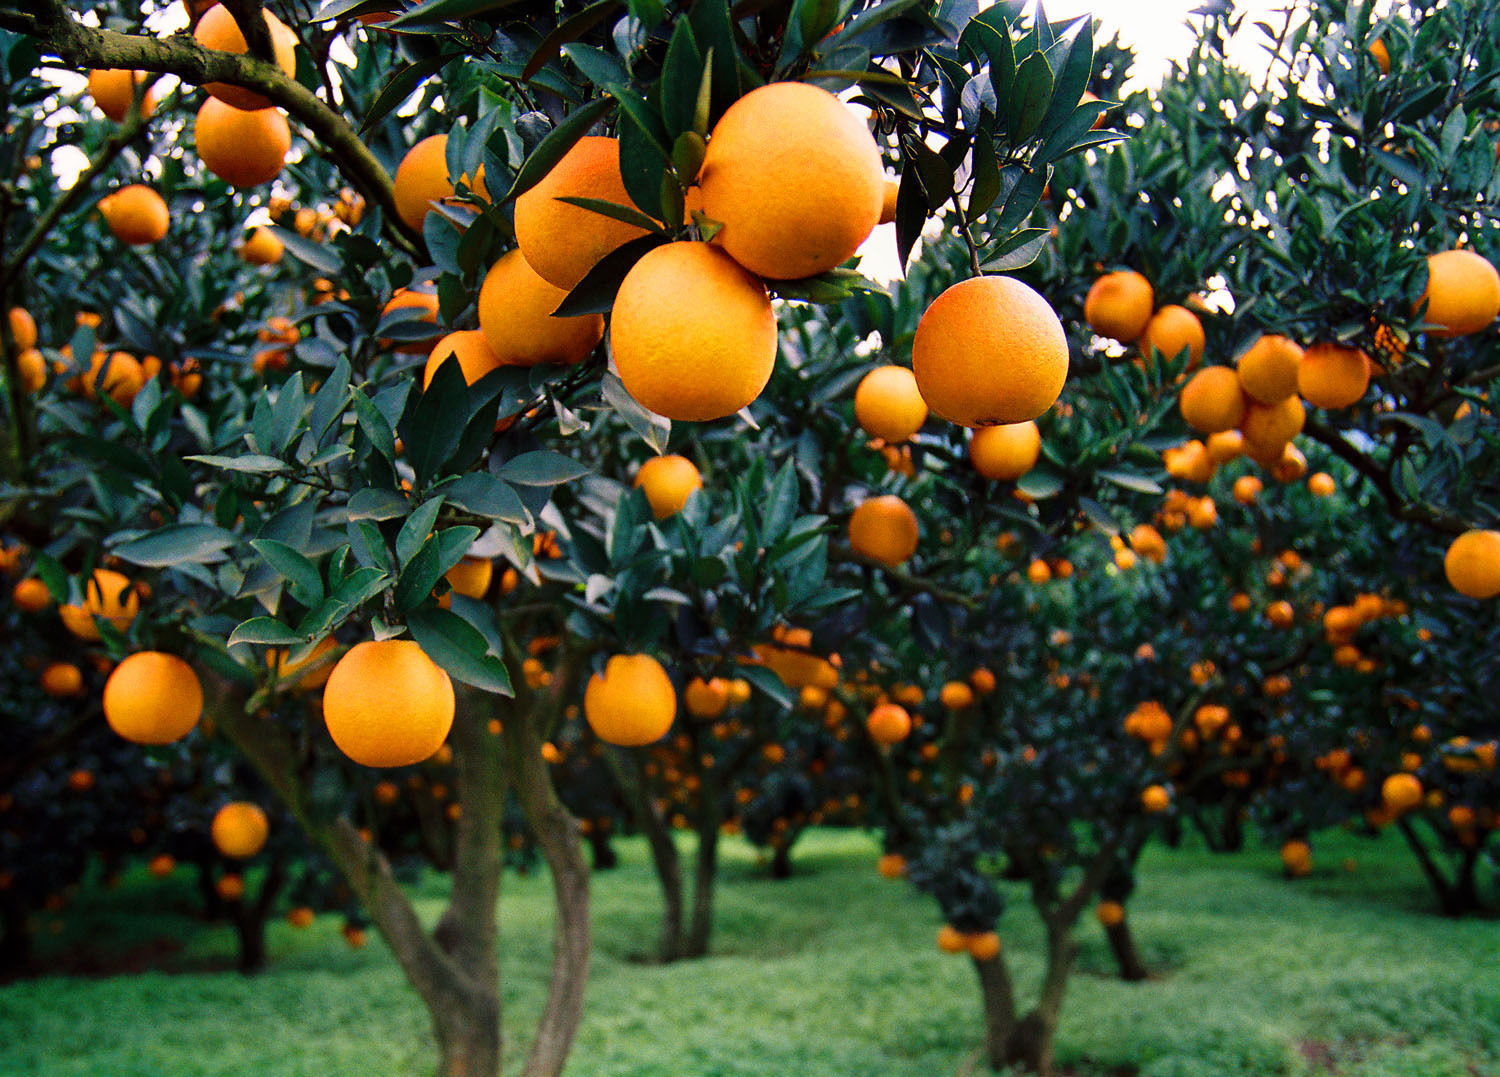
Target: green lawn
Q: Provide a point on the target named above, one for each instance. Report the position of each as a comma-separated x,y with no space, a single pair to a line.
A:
830,974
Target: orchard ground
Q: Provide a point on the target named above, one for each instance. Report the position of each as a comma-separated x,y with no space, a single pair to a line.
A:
830,974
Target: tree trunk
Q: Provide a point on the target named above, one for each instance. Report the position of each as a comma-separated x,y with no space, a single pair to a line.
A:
1234,827
703,883
467,1026
250,918
601,852
781,859
213,904
665,859
15,936
1127,957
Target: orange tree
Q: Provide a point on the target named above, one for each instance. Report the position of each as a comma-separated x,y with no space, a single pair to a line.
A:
339,494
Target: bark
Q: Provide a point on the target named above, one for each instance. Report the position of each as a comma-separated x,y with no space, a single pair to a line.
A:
250,919
1127,957
601,851
704,875
15,936
1456,897
781,860
213,904
665,860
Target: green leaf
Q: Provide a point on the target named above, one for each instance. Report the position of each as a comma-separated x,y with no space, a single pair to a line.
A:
1130,480
541,468
772,685
401,86
485,495
441,10
460,649
263,630
320,256
626,214
417,528
177,543
1040,483
1030,97
555,146
429,430
1072,75
374,425
570,29
603,69
303,579
1017,252
681,77
595,294
250,463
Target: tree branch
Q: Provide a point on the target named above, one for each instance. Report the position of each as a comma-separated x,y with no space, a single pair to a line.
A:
1413,512
253,28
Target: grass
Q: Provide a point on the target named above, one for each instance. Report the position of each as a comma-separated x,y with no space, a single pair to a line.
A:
830,974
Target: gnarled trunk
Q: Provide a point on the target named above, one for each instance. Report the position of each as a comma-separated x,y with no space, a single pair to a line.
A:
665,860
1127,957
602,851
250,918
704,875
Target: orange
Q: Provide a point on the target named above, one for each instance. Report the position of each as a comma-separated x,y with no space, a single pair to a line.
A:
230,887
1212,400
410,298
1119,305
561,242
244,149
62,679
668,482
632,702
515,316
1381,54
119,375
387,704
1333,376
983,681
301,917
1269,427
293,672
956,696
1321,484
1401,793
31,596
888,723
1170,330
1110,913
706,699
1038,571
888,201
1268,369
471,577
1281,614
1006,451
1189,462
107,594
693,334
218,30
161,865
1462,293
990,350
884,529
422,179
22,328
892,866
1155,799
983,946
136,214
950,940
1292,465
888,405
1246,489
471,350
153,698
261,247
795,178
1148,542
240,829
113,90
1472,564
1296,857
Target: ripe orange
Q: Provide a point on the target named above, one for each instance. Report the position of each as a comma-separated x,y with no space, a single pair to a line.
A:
950,940
888,405
1038,571
108,595
888,723
244,149
153,698
1155,799
1401,793
62,679
1296,858
1333,376
422,179
956,696
427,303
119,374
22,328
136,214
1246,489
293,671
471,577
668,482
1321,484
706,699
1472,564
888,201
387,704
632,702
31,595
230,887
990,350
1269,427
1462,293
795,178
560,241
515,316
983,946
1119,305
892,866
1268,369
983,681
218,30
693,334
1281,614
1110,913
1006,451
261,247
1381,54
884,529
113,90
240,829
1212,400
301,917
161,865
471,350
1170,330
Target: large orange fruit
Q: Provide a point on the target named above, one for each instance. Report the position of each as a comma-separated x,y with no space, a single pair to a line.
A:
795,178
218,30
1472,564
693,334
386,704
515,316
1119,305
240,829
261,248
136,214
469,347
888,405
113,90
108,595
668,482
1462,293
561,241
1006,451
632,702
1170,330
1212,400
1269,427
244,149
153,698
884,529
1333,376
990,350
888,723
118,374
1268,369
1401,793
422,179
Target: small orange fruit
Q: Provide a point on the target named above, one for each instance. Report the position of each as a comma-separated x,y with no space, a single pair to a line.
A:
113,90
153,698
632,702
515,315
706,699
1268,369
219,30
888,723
1212,400
1171,330
983,946
1110,913
422,179
240,829
1007,451
1472,564
108,595
136,214
62,679
387,704
884,529
261,248
1119,305
668,482
1333,376
1401,793
472,351
1155,799
888,405
244,149
1462,293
